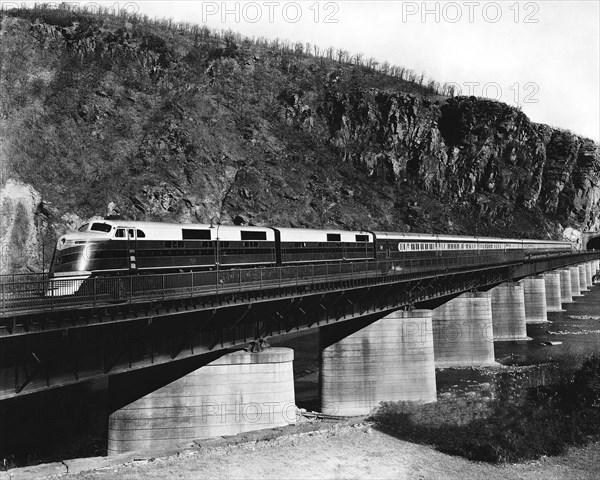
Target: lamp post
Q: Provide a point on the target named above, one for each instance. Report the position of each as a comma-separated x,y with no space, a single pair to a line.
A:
218,253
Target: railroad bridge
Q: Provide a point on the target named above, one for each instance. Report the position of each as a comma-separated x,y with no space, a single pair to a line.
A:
383,331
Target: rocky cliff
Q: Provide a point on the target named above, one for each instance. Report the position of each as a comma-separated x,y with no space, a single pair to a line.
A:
109,116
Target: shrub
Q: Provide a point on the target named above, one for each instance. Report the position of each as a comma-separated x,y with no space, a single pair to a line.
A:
531,422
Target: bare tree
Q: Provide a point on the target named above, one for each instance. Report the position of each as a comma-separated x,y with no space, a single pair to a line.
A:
341,55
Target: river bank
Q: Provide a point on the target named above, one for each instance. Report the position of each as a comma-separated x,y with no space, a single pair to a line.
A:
358,451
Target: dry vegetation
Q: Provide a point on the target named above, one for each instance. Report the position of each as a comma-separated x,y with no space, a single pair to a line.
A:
523,422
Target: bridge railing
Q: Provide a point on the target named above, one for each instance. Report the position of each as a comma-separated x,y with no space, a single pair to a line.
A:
51,294
23,277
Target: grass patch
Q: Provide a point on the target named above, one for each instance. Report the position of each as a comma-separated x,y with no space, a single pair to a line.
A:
522,423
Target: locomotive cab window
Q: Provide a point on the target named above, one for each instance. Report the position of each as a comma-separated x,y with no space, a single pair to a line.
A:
101,227
362,238
334,237
141,234
120,233
83,228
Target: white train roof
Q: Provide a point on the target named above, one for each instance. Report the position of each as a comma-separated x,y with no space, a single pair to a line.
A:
427,237
307,235
423,237
173,231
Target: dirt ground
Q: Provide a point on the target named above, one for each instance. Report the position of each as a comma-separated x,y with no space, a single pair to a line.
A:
345,452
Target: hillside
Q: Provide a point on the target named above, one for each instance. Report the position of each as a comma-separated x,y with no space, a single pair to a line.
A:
104,115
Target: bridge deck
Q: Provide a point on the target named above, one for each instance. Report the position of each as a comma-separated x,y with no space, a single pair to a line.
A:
47,295
119,324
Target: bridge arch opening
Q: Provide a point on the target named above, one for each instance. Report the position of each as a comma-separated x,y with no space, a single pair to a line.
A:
593,243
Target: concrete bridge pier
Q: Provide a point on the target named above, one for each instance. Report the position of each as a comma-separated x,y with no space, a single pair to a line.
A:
238,392
534,289
588,274
575,286
508,312
553,292
566,292
583,286
463,334
390,359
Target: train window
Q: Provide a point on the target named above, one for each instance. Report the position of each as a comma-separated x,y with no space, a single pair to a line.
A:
131,232
246,235
83,228
334,237
101,227
362,238
120,233
189,234
140,234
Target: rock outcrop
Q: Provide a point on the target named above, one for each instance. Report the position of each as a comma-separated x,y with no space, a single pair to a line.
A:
109,117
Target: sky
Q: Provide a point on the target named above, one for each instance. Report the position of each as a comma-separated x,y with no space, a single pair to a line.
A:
542,55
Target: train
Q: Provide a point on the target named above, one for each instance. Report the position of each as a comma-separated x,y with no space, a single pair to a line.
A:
119,247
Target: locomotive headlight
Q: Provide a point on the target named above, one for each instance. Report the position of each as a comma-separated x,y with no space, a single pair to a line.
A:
62,243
